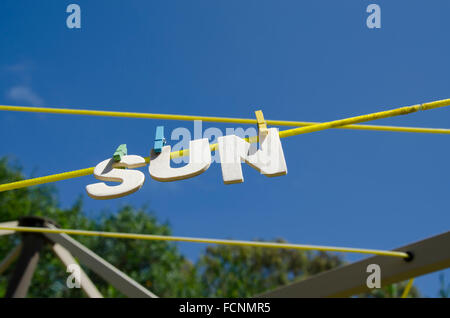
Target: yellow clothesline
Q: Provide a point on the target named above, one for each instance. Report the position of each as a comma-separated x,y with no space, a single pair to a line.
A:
151,237
68,111
285,133
407,288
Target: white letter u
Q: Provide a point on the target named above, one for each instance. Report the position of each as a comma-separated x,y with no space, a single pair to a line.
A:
199,162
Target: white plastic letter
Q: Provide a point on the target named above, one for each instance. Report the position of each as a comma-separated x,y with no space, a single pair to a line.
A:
232,150
268,159
199,161
131,180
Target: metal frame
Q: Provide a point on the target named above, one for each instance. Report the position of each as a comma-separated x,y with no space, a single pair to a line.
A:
108,272
67,259
26,265
12,224
429,255
10,258
65,249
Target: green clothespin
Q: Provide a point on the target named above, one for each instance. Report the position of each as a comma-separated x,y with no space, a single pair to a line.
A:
120,152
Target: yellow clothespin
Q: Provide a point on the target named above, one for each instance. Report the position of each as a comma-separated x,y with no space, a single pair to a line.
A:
262,126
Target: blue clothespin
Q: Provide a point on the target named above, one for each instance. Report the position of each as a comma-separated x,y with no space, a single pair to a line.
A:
160,141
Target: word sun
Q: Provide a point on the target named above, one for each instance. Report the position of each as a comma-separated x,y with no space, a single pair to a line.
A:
268,160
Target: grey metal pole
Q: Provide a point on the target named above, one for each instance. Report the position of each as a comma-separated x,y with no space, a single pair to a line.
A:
429,255
26,264
11,223
86,284
32,244
10,258
108,272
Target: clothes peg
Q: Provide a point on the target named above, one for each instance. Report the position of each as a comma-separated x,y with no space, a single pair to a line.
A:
262,126
160,141
120,152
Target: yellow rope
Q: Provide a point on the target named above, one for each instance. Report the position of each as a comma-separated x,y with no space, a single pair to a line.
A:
47,179
407,288
363,118
151,237
213,147
213,119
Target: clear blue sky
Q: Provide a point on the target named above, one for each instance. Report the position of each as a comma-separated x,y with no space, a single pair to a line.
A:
296,60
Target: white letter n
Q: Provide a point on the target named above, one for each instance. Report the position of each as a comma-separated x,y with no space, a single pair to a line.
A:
268,159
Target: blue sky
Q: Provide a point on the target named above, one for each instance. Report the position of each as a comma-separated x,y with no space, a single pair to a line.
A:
295,60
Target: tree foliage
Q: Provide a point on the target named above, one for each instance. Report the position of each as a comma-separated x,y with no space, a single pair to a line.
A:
444,290
233,271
